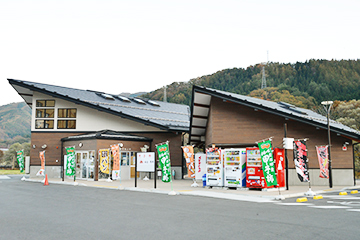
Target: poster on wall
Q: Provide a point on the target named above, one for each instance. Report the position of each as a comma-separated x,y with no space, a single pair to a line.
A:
70,161
300,160
104,160
20,159
41,172
200,165
115,149
189,157
164,160
268,164
145,161
323,157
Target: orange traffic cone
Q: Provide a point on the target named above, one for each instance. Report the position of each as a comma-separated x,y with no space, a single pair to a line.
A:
46,180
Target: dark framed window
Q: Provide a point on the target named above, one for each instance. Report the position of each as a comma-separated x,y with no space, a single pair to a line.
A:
66,124
45,113
67,113
45,103
44,124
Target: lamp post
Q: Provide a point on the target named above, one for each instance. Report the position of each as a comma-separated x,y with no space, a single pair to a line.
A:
327,105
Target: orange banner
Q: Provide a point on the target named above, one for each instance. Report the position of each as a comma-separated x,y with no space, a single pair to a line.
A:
189,157
42,159
41,172
116,157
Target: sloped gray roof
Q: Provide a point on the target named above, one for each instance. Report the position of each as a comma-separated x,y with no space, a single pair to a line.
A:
163,115
282,109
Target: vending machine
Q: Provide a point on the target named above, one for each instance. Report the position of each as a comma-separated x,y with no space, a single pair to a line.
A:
254,173
214,168
234,167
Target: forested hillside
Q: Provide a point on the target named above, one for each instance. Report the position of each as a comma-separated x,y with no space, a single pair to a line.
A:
303,84
14,123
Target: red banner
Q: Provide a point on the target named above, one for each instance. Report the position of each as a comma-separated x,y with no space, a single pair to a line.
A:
279,155
323,157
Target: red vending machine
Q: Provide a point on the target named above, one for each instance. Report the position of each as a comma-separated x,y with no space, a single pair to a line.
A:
254,173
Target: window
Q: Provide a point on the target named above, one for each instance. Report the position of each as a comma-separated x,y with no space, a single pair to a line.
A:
45,103
44,113
44,110
66,124
44,124
67,113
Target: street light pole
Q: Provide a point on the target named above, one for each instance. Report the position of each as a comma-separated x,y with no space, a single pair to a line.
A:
328,103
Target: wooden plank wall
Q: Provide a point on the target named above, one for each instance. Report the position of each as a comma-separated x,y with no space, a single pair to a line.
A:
234,123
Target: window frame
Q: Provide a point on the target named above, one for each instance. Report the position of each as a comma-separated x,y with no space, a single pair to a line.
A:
66,113
66,121
45,121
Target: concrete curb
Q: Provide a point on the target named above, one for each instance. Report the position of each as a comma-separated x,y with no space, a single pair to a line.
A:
211,194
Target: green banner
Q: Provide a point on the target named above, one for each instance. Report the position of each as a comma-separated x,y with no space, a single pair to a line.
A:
164,158
70,162
20,159
268,164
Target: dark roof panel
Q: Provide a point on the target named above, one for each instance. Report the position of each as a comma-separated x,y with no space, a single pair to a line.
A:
163,115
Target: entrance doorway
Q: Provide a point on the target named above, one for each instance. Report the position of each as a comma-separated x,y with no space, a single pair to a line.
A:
128,159
85,164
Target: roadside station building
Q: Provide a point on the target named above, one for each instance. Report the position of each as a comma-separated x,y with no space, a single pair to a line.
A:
229,120
91,120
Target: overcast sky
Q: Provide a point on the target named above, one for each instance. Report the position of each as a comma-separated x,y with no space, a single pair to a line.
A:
141,45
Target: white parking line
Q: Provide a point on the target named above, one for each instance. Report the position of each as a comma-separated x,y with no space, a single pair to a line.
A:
4,177
329,207
296,204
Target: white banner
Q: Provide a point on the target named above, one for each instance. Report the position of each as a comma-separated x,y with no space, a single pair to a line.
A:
145,161
200,165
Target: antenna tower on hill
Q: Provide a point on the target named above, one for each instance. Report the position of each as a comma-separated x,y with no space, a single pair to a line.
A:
263,82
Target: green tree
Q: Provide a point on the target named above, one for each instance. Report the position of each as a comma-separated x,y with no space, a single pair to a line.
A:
9,157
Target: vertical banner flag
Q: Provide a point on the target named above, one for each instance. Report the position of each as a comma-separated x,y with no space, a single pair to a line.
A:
323,157
300,160
115,149
104,160
70,163
164,158
268,164
20,159
41,172
189,157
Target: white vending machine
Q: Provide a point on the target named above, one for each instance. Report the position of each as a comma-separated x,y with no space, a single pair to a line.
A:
235,167
214,168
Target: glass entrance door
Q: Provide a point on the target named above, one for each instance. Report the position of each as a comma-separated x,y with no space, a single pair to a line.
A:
85,164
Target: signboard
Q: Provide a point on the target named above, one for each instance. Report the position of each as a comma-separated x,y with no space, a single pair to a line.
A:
104,160
268,164
323,157
115,149
164,160
200,165
20,159
300,160
145,161
189,157
70,161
